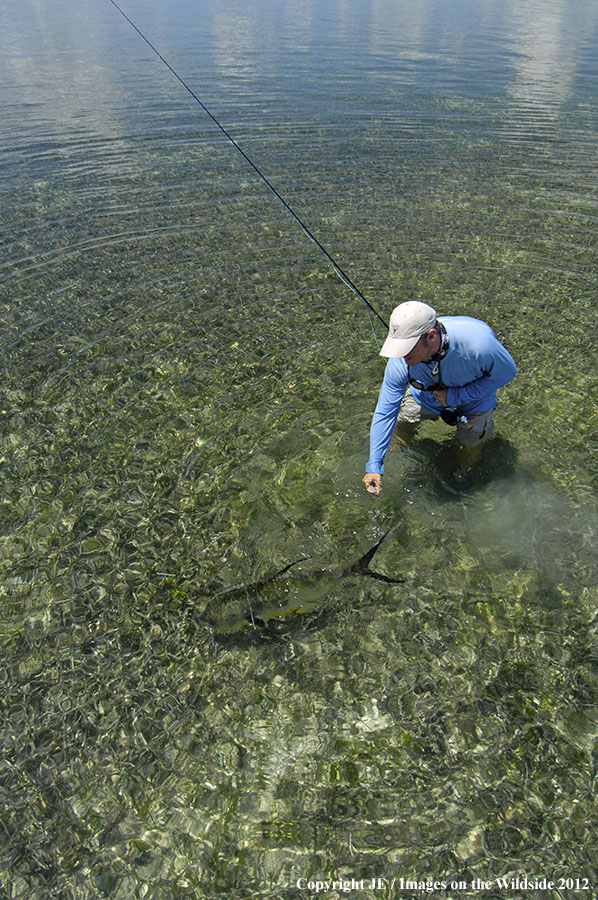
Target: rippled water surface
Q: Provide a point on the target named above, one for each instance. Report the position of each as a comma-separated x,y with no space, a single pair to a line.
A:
185,402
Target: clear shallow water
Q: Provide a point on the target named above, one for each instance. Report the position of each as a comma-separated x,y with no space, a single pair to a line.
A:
186,394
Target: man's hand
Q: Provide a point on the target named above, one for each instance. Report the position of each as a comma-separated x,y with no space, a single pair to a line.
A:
373,482
441,396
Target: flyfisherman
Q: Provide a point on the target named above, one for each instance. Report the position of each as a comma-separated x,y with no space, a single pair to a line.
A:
449,368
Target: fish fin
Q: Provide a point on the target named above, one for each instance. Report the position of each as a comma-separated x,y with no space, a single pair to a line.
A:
362,565
385,578
255,620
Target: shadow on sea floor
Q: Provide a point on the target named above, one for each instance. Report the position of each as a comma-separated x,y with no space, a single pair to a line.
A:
498,460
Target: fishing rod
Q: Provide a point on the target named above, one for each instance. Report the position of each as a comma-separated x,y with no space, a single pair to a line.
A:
342,275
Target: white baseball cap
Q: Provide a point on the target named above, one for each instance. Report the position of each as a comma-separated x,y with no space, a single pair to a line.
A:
408,322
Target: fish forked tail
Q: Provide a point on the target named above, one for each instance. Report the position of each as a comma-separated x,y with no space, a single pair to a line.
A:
362,565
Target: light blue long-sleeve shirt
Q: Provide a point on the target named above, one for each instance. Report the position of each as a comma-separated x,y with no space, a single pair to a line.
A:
474,367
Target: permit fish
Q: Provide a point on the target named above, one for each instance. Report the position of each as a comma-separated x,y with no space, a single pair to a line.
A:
284,592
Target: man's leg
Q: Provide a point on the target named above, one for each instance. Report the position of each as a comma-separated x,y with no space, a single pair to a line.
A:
467,456
471,436
410,415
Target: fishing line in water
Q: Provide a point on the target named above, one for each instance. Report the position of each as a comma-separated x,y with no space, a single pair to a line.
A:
343,277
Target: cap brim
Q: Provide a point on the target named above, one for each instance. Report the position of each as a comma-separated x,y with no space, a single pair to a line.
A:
394,348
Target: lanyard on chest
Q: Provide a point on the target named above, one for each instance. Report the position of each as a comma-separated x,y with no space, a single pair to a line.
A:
435,361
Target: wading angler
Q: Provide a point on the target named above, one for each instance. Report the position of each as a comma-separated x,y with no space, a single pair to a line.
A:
447,368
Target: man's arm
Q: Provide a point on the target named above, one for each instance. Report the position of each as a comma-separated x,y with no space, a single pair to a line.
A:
496,369
385,415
